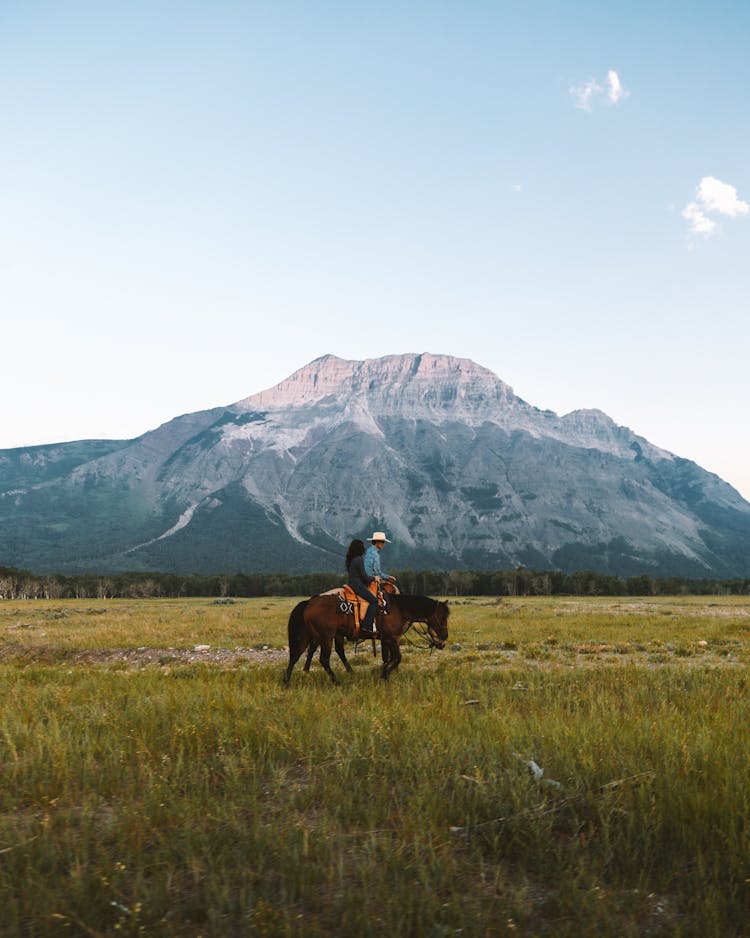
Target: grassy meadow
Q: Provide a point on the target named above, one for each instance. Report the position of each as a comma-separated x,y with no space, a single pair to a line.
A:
563,767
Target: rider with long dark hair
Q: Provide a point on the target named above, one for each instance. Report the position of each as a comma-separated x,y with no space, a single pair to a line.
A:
359,582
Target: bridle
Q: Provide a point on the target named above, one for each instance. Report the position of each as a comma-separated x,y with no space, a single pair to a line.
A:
424,629
424,639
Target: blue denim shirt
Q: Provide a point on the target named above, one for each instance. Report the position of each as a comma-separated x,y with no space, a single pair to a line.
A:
372,563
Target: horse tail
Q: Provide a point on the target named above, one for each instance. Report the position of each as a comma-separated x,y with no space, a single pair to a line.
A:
297,630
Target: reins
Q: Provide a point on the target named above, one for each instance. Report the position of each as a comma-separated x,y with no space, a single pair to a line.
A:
422,628
425,639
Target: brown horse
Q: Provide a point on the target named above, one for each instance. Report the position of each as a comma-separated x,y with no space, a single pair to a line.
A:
321,621
385,589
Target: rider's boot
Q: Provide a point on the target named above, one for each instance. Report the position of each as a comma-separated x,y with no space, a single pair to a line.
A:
367,629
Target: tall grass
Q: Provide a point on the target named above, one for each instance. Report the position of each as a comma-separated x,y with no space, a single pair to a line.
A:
203,799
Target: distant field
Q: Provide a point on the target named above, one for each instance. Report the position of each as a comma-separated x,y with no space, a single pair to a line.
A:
563,767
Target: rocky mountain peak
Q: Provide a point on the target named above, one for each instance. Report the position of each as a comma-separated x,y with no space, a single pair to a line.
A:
309,384
435,388
417,385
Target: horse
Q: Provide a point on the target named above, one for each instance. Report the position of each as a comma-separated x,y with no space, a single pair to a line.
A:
386,588
321,621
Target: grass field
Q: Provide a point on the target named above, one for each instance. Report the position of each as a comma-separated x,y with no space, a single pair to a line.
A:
150,787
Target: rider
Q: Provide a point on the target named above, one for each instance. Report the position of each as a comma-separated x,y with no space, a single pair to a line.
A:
359,582
372,558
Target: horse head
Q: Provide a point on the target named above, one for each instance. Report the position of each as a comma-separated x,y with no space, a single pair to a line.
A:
437,625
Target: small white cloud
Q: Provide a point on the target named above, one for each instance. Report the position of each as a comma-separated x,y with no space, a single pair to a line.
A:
720,197
585,93
615,91
517,187
591,92
698,222
713,197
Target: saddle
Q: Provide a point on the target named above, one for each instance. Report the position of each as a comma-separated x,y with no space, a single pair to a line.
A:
354,605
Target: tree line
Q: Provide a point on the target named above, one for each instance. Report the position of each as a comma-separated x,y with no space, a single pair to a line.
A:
21,584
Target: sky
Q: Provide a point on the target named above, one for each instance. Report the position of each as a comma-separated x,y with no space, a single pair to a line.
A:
198,198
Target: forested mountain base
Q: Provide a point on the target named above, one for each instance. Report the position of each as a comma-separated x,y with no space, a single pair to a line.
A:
21,584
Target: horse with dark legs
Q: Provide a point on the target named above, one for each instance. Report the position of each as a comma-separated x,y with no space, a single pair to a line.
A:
386,589
321,621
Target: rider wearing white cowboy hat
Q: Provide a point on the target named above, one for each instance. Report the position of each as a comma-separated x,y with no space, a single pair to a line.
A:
372,558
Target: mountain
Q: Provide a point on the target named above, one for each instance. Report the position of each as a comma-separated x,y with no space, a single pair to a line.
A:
436,450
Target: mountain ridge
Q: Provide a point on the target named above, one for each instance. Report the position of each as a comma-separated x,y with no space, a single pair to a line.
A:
436,449
483,394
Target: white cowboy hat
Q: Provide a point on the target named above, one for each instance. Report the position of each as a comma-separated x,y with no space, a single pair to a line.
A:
379,536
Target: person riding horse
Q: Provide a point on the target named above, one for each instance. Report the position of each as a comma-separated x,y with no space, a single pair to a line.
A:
321,622
372,558
360,583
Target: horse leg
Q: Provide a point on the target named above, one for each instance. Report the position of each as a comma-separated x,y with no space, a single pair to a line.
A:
325,658
339,645
310,652
385,649
295,652
379,620
391,655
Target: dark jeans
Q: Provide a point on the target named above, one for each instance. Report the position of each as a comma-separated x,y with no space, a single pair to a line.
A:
372,604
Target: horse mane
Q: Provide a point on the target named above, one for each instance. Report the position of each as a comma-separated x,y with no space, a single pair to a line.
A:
416,607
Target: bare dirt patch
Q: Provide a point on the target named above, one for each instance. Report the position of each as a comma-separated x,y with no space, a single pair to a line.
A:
141,657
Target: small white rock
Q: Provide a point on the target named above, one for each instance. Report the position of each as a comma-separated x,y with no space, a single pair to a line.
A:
201,647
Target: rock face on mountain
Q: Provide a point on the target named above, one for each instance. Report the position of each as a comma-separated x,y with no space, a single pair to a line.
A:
436,450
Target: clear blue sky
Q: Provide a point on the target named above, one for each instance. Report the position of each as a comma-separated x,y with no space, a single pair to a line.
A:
197,198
